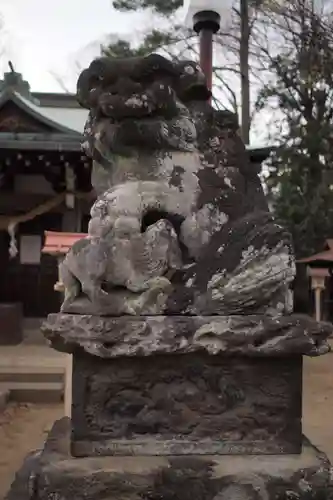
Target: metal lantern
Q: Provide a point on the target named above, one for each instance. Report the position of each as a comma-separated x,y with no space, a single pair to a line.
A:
220,8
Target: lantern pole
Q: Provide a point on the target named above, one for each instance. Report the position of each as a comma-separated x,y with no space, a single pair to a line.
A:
206,23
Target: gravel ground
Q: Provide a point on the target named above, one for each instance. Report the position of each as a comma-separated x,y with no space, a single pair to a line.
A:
22,429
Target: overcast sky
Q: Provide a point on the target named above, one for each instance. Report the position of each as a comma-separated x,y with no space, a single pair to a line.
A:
44,38
44,35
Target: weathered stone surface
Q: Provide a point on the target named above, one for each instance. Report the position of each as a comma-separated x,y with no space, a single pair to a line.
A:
56,447
256,335
24,484
185,405
303,477
246,267
181,225
227,178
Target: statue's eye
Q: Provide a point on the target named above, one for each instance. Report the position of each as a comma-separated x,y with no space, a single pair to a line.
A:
189,70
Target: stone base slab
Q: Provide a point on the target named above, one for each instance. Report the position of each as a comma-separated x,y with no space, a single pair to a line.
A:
55,474
180,447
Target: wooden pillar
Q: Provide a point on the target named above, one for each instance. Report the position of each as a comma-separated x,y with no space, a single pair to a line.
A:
318,276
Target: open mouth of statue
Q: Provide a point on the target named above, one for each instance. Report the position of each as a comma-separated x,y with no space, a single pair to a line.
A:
153,216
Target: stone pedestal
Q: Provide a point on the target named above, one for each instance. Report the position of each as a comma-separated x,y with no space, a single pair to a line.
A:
167,407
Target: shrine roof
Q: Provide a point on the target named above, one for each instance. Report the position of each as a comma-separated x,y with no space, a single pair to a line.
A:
319,257
63,120
325,256
58,243
60,113
72,118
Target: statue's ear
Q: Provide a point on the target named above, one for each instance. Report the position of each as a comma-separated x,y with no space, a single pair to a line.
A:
196,92
102,71
84,85
107,69
191,83
226,119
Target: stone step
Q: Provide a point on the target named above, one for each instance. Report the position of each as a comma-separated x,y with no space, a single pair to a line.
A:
33,373
12,377
33,383
34,386
28,369
34,392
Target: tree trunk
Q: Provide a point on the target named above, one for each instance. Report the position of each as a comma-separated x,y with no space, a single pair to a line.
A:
244,69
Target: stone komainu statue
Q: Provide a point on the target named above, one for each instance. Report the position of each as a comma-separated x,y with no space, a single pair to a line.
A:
181,224
204,361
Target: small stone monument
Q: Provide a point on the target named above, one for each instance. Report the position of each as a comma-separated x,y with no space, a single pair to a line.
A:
187,371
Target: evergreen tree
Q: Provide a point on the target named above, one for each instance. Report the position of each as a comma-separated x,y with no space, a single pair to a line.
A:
300,176
164,7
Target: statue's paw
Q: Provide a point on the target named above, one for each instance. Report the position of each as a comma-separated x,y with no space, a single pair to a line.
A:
131,311
151,301
171,272
65,306
159,283
137,287
98,297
